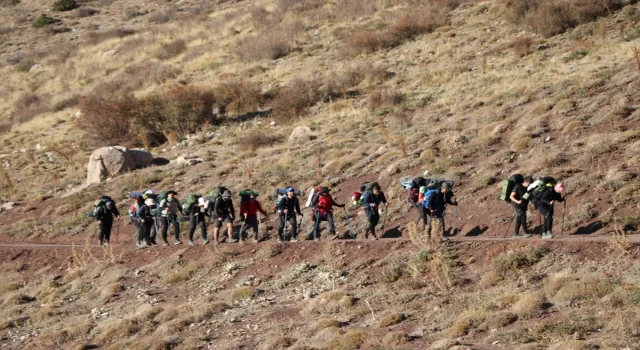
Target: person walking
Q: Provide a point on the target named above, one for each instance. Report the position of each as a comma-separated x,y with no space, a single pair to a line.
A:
433,203
287,208
104,217
223,213
447,198
197,218
170,208
249,209
371,202
545,204
147,221
520,205
323,204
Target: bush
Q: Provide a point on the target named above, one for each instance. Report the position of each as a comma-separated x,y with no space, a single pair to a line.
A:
270,45
294,101
94,38
514,261
28,106
124,119
44,20
240,96
550,17
171,49
256,139
64,5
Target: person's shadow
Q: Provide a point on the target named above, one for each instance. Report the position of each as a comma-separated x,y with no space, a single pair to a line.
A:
590,229
392,233
474,232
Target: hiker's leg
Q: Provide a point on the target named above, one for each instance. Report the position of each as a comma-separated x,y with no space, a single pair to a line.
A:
140,232
375,218
203,228
332,227
423,214
147,231
518,218
230,230
281,227
294,226
549,221
252,222
102,232
165,228
176,227
107,231
193,222
429,218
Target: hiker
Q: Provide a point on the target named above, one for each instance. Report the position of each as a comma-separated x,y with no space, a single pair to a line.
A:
249,209
371,201
287,208
146,220
323,210
104,216
448,198
170,208
520,204
223,213
545,204
433,204
197,217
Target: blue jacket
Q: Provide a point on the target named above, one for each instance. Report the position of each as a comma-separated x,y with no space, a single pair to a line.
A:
433,200
370,198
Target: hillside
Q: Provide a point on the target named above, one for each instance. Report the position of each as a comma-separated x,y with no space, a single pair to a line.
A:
471,91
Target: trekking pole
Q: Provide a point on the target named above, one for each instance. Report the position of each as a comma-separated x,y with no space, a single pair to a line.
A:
349,223
384,220
457,222
242,228
118,231
540,223
564,207
508,227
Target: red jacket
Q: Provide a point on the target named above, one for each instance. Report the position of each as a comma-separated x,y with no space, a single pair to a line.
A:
251,207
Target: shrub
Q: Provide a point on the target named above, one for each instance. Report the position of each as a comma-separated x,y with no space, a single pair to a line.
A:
28,106
514,261
243,293
270,45
465,323
550,17
44,20
390,320
85,12
94,38
521,45
239,95
293,101
257,139
170,49
64,5
529,305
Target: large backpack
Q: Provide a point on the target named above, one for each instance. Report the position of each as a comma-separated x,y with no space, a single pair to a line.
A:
216,193
163,195
414,195
189,203
432,194
101,202
368,186
325,203
281,193
508,185
406,183
538,188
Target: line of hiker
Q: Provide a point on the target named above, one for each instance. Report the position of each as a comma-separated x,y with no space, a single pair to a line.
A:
151,212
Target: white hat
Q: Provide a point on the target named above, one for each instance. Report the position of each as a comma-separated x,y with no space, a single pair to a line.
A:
150,192
201,200
149,201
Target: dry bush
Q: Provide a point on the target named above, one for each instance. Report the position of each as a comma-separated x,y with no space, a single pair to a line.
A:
395,339
29,105
351,340
390,320
279,342
498,320
171,49
240,96
553,283
529,305
512,262
329,303
269,45
490,279
383,99
85,12
521,45
243,293
255,140
326,323
183,274
550,17
160,17
136,76
585,289
293,101
119,329
466,322
123,118
111,291
94,38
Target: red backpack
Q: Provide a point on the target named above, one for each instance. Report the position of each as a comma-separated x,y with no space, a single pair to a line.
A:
325,203
414,195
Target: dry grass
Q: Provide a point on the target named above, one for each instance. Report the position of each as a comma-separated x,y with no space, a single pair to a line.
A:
183,274
393,339
171,49
465,322
390,320
244,293
582,290
490,279
529,305
329,303
351,340
110,292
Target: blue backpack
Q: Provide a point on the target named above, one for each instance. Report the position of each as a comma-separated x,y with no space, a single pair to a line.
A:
432,194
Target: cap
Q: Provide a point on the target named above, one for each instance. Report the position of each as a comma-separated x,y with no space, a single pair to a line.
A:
445,185
226,193
109,204
150,192
290,189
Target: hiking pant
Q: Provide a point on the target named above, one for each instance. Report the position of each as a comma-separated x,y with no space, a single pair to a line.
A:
292,221
435,216
373,216
328,216
144,234
521,218
547,213
197,221
105,231
166,222
249,222
154,230
422,213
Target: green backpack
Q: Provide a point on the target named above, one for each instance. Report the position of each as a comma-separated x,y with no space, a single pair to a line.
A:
189,202
217,193
163,195
100,203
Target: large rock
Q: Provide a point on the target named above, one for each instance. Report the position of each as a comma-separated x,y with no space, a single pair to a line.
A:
141,157
301,134
108,162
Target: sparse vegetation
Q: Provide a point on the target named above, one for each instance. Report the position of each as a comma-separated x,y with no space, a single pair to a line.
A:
44,20
64,5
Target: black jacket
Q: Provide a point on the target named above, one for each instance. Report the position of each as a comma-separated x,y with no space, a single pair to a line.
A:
223,208
105,214
520,190
291,204
547,196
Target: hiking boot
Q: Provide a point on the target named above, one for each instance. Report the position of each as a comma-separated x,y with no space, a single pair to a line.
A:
515,235
374,237
191,242
254,240
444,239
334,236
293,240
165,244
178,242
547,235
233,241
527,235
205,242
